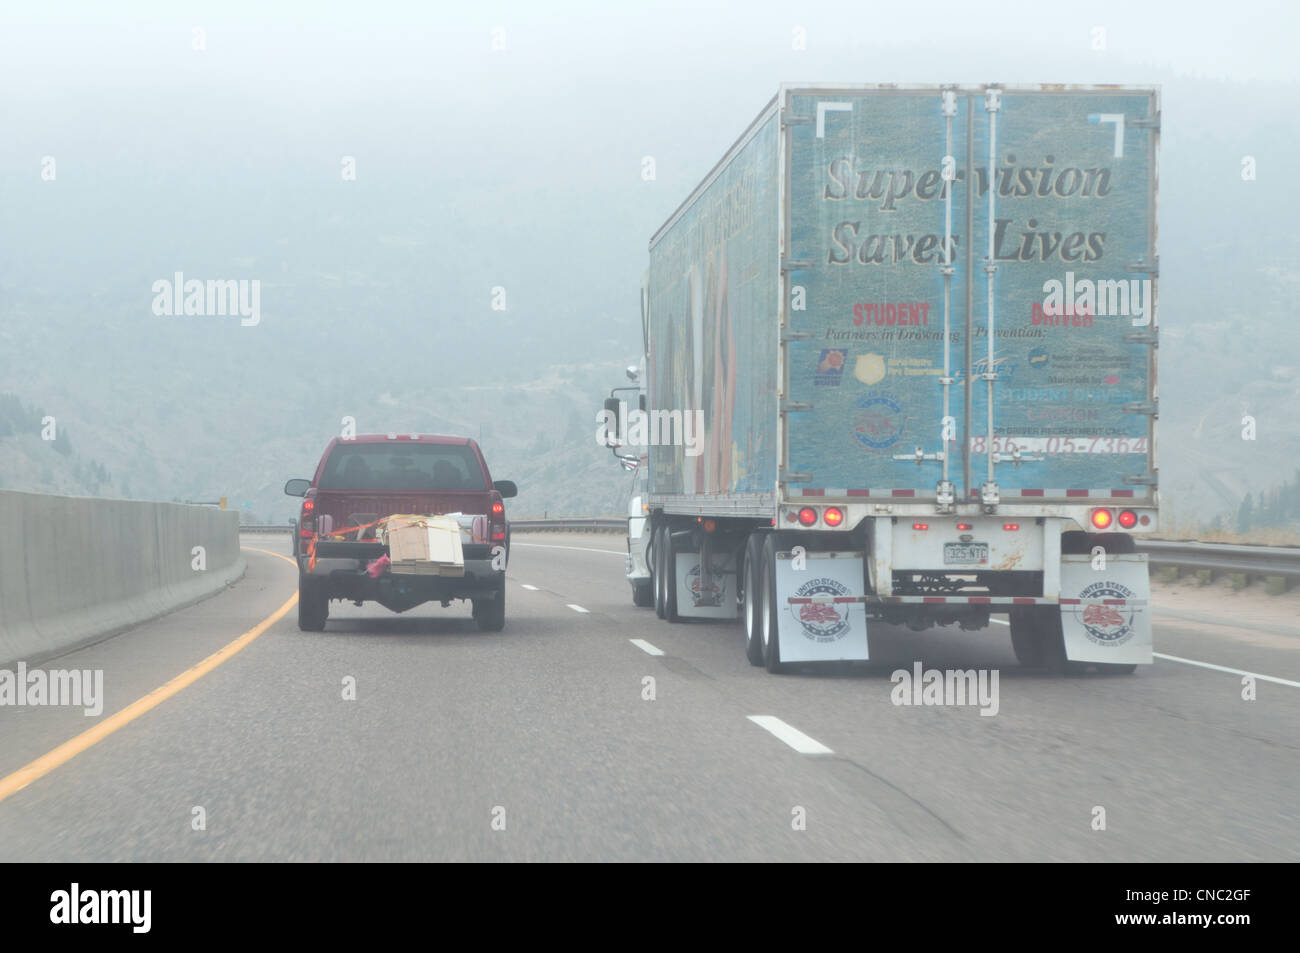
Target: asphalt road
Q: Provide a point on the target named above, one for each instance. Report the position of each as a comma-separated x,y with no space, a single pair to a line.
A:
546,729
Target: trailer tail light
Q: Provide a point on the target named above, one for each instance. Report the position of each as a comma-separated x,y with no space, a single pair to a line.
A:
709,525
964,526
1011,527
1128,519
833,516
920,526
1101,519
807,516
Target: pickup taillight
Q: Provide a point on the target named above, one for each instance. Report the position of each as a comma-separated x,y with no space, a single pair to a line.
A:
307,518
498,521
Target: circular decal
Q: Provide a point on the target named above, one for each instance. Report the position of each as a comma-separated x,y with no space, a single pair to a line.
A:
822,621
878,422
1107,625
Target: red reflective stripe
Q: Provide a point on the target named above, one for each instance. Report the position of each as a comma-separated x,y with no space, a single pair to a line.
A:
933,599
1022,601
1124,493
814,492
1071,602
903,492
1031,492
859,492
1076,492
978,600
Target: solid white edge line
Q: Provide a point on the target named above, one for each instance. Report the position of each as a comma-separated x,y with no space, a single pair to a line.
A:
576,608
1224,668
524,585
646,647
792,736
1000,621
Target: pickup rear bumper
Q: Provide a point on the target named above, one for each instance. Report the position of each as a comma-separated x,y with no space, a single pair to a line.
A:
341,566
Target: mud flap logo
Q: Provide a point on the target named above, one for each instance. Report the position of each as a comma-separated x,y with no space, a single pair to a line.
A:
822,621
1107,625
711,596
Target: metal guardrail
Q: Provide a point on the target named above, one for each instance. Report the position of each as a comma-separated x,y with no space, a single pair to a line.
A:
599,524
1223,557
1185,554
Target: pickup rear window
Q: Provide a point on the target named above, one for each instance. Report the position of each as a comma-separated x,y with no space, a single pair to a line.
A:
380,466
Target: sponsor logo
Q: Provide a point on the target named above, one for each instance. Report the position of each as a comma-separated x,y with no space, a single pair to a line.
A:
878,423
821,621
712,596
1107,625
869,368
830,367
1038,357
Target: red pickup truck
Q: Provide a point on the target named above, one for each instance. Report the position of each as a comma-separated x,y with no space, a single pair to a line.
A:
363,479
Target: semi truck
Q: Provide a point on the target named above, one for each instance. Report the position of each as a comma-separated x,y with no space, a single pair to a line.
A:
900,369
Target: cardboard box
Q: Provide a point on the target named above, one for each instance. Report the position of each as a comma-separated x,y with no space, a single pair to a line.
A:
424,545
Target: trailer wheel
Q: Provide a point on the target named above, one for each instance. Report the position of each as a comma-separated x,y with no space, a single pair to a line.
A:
771,611
656,571
313,603
1038,639
670,578
751,616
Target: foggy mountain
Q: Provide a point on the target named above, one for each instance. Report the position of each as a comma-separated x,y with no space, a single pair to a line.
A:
512,176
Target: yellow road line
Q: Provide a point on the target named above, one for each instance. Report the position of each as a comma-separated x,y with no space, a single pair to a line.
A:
70,749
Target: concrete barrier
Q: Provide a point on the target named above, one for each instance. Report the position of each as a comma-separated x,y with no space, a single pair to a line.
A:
74,570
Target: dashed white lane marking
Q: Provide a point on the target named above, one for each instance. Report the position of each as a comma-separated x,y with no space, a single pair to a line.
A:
646,647
1230,671
581,549
526,586
1000,621
795,738
577,608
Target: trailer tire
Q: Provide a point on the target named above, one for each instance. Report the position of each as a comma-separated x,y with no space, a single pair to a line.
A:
771,614
313,603
753,606
1038,638
656,570
670,578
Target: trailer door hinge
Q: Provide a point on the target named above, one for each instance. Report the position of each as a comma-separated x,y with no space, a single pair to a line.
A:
790,334
796,264
795,476
1140,337
1144,122
1142,479
1147,407
1144,265
789,119
795,406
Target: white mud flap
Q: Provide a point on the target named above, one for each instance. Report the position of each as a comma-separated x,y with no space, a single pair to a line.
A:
1106,613
718,599
827,622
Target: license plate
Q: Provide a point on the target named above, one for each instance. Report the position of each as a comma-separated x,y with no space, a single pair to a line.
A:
962,553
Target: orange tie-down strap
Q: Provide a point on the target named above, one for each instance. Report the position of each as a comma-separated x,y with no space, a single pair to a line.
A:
419,521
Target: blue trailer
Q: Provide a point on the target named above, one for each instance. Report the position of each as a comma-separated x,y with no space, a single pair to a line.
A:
900,363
